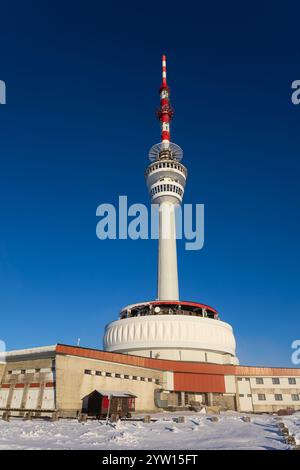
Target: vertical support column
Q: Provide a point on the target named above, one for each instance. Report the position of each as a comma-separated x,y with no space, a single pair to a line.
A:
25,395
167,254
210,399
10,395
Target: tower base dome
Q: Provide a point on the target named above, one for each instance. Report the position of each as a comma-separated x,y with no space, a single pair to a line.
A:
181,331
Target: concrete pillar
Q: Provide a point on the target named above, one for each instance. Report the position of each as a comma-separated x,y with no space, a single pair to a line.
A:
25,395
210,400
167,254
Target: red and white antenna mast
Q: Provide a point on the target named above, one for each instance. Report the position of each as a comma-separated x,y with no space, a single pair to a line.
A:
165,114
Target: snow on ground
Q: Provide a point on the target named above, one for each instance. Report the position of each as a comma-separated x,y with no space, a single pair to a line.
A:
197,432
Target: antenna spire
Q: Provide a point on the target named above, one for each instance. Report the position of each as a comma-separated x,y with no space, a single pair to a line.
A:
165,111
165,148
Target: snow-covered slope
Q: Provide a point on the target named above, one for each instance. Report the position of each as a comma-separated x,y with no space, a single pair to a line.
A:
197,432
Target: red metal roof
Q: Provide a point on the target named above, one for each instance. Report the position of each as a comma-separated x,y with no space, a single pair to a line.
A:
176,366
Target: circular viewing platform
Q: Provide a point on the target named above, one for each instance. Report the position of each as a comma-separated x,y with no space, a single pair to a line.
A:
171,307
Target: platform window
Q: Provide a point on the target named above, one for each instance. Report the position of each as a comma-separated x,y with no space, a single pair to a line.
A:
88,371
259,381
278,397
295,397
261,396
275,381
292,381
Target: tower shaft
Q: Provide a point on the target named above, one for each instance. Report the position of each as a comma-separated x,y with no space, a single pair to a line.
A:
167,284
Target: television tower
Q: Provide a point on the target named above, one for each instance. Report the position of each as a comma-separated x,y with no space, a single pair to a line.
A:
166,178
167,327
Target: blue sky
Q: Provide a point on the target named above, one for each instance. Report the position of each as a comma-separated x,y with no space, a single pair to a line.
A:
82,88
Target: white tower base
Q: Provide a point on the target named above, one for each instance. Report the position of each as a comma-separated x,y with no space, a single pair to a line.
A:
177,337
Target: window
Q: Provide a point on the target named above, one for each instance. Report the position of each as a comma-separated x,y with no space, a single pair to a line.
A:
249,395
37,370
88,372
134,377
241,395
295,397
126,376
240,379
156,381
278,397
23,371
261,396
275,381
247,379
143,379
292,381
108,374
98,372
117,376
259,381
10,371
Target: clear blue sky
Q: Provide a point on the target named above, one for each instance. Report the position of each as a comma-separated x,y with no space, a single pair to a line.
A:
82,87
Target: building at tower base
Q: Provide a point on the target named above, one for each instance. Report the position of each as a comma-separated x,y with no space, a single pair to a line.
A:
60,377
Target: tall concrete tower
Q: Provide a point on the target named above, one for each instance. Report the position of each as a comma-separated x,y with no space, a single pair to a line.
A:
169,328
166,178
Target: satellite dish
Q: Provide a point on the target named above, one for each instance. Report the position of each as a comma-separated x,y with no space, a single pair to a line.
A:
157,309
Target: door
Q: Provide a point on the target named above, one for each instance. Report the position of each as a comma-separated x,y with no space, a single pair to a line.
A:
244,395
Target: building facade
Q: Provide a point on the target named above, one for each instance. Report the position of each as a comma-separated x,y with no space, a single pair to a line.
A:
58,378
